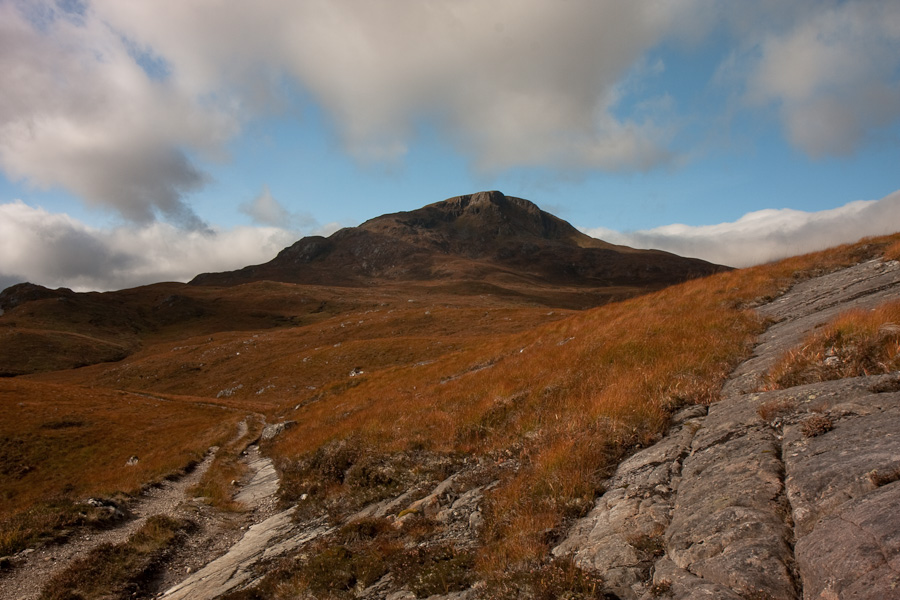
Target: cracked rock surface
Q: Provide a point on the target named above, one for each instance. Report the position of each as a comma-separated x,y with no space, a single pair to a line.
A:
730,505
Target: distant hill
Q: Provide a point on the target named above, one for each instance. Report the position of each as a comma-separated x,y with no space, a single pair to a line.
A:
484,237
484,249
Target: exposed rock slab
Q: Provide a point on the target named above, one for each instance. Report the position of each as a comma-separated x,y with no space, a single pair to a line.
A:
729,505
272,538
729,524
808,305
623,533
263,485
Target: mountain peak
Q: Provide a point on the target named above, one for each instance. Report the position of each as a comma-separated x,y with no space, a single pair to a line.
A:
474,224
485,237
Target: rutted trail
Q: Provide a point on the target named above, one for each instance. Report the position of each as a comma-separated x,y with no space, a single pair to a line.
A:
741,503
37,567
216,531
270,535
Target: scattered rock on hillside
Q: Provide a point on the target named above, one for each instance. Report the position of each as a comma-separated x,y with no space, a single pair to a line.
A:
275,429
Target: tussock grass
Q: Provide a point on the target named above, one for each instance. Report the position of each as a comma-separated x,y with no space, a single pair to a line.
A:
216,484
855,343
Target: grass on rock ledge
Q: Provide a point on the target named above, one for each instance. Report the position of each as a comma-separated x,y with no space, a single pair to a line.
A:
855,343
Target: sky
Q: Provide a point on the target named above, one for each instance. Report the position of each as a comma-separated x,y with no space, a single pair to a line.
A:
152,140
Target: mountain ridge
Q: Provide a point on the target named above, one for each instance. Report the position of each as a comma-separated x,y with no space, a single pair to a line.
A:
482,236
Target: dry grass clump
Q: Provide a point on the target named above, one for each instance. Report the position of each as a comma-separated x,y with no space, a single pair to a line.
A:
880,477
360,554
855,343
120,570
216,484
770,410
55,520
547,579
346,474
816,425
892,252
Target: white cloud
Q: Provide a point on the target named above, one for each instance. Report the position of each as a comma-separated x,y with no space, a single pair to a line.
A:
766,235
123,103
79,112
56,250
118,101
835,75
264,209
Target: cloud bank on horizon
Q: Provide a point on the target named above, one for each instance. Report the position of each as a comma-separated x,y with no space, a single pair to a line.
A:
131,105
767,235
57,250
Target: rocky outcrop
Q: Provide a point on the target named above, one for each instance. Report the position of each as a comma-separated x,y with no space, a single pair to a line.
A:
455,503
264,541
781,494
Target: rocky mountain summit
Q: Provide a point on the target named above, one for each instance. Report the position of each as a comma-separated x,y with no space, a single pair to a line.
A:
782,494
485,236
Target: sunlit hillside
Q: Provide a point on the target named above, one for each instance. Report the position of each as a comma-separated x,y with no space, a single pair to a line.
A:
377,373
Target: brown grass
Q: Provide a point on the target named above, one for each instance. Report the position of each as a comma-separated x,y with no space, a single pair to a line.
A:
567,398
857,342
778,407
62,444
216,484
816,425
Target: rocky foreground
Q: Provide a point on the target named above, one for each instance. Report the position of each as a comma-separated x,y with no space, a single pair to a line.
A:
780,494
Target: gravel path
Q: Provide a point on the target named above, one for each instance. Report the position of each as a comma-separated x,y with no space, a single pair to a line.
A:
36,567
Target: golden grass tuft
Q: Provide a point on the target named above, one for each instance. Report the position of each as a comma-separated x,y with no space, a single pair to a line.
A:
216,484
855,343
120,570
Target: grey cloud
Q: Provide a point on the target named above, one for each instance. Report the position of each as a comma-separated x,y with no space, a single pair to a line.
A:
10,280
835,75
264,209
56,250
511,83
79,112
120,102
768,235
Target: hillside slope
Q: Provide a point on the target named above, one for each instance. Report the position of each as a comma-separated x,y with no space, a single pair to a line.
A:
483,250
435,443
788,493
